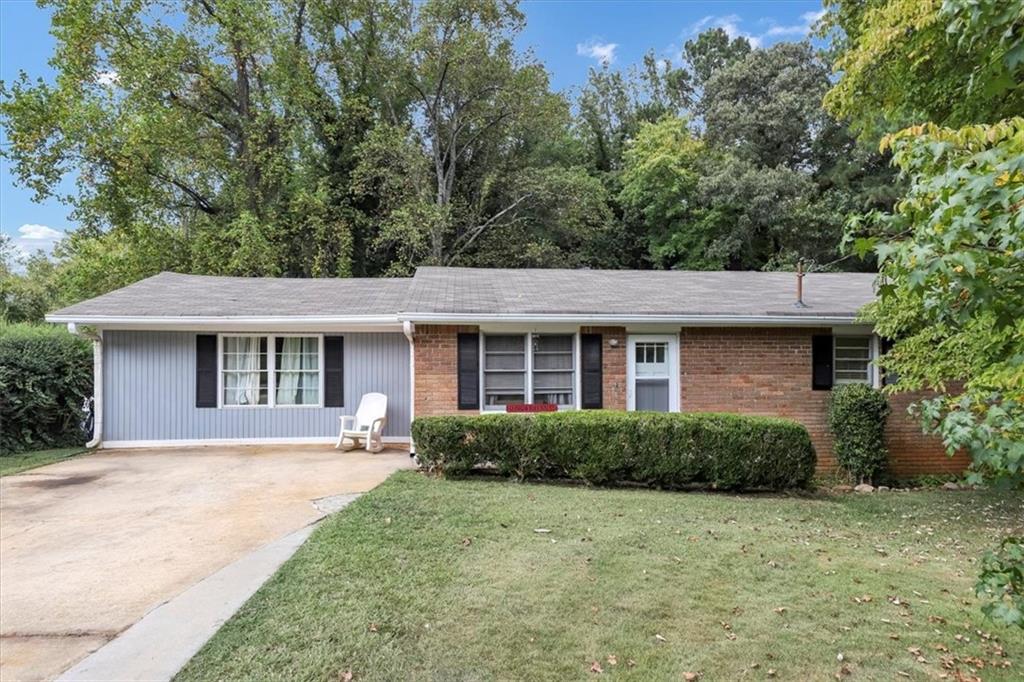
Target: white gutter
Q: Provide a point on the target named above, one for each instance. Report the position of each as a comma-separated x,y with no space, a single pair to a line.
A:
97,380
720,320
409,329
208,320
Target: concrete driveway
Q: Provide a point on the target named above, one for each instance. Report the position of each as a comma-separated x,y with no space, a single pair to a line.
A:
88,546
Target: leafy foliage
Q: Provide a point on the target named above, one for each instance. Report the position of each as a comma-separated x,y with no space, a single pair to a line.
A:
856,416
951,62
45,375
1002,582
666,450
952,262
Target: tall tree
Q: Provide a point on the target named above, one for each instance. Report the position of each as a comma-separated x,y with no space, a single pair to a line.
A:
951,62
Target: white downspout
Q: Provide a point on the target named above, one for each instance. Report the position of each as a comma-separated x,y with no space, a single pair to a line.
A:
97,380
409,329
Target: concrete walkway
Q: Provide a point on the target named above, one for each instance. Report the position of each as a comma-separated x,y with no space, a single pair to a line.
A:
160,644
92,545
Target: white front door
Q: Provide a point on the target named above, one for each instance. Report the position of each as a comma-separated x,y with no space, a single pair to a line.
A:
652,372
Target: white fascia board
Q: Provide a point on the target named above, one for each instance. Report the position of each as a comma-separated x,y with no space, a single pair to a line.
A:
236,322
222,442
600,319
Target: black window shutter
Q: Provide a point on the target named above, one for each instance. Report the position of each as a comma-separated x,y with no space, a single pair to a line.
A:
469,371
334,371
888,378
821,358
592,377
206,370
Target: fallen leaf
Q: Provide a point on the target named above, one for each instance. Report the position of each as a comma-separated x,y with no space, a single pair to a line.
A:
595,667
613,659
466,542
346,676
373,627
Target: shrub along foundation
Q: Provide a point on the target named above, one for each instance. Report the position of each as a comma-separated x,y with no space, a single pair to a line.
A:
667,450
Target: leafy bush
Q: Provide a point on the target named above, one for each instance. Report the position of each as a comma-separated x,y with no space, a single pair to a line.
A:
1001,583
856,415
666,450
45,375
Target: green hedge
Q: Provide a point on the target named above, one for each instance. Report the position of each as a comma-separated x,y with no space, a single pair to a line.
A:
726,451
857,414
45,375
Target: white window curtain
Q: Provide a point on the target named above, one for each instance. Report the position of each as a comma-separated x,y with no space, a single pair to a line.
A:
298,370
244,366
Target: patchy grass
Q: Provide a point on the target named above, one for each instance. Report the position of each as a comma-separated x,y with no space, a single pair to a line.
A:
23,461
451,580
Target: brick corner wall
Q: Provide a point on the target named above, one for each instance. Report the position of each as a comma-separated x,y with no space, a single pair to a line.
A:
436,354
613,365
767,371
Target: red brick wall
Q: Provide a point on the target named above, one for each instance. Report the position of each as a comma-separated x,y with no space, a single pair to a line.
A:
764,371
437,369
613,365
910,452
767,371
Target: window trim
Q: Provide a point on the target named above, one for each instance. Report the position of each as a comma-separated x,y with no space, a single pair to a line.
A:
874,375
271,370
528,369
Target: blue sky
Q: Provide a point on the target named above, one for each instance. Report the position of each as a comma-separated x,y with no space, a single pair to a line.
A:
569,36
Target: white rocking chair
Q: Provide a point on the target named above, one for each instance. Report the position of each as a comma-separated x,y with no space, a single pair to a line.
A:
366,426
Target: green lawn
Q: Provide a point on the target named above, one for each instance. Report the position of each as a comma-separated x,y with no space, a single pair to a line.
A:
439,580
23,461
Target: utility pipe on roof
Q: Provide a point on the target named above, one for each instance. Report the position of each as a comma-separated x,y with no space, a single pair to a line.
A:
409,329
97,380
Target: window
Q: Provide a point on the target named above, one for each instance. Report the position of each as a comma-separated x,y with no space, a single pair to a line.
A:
553,376
297,367
852,361
244,370
651,359
529,368
252,376
504,370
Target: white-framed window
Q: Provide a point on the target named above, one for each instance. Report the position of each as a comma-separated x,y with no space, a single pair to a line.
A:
528,369
270,370
244,371
853,360
554,369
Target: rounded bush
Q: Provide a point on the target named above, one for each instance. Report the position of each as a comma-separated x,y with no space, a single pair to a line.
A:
45,376
857,415
725,451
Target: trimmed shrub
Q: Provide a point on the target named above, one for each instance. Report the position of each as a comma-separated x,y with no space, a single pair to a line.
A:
856,415
727,451
45,376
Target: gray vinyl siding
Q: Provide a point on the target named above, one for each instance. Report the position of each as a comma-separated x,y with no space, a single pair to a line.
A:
149,391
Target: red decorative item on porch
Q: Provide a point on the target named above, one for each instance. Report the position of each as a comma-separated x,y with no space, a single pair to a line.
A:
536,407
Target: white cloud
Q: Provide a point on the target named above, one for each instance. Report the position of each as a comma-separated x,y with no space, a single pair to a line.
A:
604,53
800,30
106,78
34,232
32,238
730,23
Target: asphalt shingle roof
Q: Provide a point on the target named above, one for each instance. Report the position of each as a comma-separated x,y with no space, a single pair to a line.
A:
171,294
639,292
467,291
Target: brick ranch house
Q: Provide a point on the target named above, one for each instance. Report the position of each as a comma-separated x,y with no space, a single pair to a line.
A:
198,360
